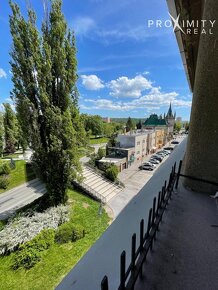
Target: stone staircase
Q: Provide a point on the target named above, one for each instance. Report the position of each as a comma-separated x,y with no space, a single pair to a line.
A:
98,186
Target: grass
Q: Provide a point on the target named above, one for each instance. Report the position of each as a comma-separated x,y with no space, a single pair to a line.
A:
59,259
85,151
21,174
98,140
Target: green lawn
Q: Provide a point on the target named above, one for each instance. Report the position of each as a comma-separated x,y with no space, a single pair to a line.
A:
59,259
22,173
85,151
98,140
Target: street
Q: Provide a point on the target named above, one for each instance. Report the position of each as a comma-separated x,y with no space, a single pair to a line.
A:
20,196
135,179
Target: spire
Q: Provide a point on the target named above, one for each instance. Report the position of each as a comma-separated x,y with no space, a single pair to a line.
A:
170,113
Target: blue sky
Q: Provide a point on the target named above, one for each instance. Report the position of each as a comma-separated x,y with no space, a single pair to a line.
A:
125,68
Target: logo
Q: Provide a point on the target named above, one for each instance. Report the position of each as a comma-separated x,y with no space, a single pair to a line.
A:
187,27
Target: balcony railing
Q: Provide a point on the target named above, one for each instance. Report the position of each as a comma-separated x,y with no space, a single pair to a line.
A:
129,274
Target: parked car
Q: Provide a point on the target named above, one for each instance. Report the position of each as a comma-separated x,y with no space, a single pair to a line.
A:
149,163
161,154
146,167
168,148
154,161
174,142
167,151
157,157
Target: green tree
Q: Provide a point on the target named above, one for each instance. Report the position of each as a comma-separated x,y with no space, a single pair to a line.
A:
1,133
109,129
10,128
21,138
78,124
139,125
93,124
44,77
130,125
112,172
101,153
177,126
186,126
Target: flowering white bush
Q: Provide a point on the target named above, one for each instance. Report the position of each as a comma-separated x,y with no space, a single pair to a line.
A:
24,228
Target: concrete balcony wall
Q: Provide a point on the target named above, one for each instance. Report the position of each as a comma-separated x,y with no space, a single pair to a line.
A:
103,258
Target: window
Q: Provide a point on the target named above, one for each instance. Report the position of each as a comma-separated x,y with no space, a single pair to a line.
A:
143,141
138,143
138,152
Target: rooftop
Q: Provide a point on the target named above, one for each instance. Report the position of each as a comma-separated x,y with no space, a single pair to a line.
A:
154,120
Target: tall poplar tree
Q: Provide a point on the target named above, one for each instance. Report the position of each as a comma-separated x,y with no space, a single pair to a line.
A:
10,129
44,76
2,131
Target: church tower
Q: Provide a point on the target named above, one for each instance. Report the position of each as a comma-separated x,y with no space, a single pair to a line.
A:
170,119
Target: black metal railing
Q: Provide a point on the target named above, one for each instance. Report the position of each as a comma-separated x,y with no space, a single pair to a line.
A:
179,174
129,275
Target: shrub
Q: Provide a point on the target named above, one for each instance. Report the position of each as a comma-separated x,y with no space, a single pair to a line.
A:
24,228
112,172
5,168
101,153
30,253
77,233
26,258
4,181
69,232
43,241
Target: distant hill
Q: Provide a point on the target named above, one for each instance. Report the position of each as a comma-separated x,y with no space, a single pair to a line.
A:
124,120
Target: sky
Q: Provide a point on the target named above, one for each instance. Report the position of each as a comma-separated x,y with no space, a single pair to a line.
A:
125,67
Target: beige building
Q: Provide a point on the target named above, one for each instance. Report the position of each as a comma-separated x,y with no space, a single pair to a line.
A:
159,138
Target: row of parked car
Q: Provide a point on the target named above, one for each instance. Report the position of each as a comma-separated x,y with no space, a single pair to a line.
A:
156,159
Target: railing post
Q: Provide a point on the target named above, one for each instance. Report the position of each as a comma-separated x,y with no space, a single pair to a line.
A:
178,174
141,234
149,223
104,283
154,211
122,270
174,168
141,240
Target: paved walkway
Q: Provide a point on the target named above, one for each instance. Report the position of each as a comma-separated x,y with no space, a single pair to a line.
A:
20,196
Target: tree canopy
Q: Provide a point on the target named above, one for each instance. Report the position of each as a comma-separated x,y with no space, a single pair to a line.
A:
10,129
130,125
44,77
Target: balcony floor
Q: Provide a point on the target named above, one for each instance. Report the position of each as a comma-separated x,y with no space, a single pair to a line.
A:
185,254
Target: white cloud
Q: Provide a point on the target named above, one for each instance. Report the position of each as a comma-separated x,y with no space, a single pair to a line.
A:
146,73
157,98
106,104
153,100
92,82
2,73
83,25
125,87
